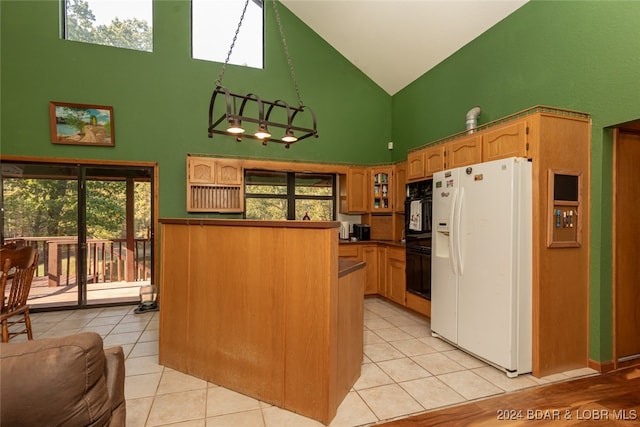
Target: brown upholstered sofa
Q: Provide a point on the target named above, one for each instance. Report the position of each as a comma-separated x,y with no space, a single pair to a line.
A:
66,381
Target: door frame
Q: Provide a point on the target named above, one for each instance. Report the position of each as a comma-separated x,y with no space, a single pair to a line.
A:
107,163
629,127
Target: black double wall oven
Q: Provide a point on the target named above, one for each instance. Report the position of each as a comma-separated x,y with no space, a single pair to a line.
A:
418,210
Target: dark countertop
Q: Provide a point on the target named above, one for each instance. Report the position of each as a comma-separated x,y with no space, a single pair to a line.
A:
364,242
250,223
346,266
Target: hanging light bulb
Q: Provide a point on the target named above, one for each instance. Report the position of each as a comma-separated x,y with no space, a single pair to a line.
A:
235,125
262,132
289,136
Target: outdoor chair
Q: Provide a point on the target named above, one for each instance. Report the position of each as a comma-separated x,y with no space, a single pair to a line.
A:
18,268
14,244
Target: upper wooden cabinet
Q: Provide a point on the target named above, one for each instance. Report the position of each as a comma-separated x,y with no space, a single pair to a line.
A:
399,186
424,162
214,185
201,170
434,160
415,165
381,189
354,191
507,140
464,151
229,172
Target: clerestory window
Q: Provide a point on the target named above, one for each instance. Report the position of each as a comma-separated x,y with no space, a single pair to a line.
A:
213,27
118,23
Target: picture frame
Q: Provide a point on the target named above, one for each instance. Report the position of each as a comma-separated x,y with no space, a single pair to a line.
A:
81,124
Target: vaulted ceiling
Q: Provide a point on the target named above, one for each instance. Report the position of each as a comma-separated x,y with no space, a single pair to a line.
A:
396,41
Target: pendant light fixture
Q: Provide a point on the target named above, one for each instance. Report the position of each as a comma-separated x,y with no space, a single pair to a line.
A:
238,111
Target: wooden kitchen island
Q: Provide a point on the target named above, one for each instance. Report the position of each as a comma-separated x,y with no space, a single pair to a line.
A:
263,308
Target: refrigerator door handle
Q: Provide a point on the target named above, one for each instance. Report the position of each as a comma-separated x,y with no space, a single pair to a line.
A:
459,232
452,234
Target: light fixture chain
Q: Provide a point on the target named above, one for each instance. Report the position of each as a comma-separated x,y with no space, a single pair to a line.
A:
233,42
286,51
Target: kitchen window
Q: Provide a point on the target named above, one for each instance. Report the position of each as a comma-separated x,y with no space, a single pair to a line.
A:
274,195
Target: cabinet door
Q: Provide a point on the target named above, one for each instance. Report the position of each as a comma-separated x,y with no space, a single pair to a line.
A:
371,276
354,188
399,186
229,172
508,140
415,165
381,187
465,151
396,276
434,160
201,170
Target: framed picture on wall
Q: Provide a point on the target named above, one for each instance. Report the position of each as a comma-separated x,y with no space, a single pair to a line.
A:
81,124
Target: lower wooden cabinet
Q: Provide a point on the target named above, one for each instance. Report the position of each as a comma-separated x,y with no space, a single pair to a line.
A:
418,304
385,270
369,254
396,276
371,277
382,271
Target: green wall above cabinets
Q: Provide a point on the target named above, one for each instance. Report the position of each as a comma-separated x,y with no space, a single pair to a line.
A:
161,98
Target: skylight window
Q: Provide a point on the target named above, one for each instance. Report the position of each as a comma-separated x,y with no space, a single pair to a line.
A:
214,24
119,23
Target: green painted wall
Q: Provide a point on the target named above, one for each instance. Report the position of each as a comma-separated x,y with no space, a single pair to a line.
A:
576,55
161,99
580,55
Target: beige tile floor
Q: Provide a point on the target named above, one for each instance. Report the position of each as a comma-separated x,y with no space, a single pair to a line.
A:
405,371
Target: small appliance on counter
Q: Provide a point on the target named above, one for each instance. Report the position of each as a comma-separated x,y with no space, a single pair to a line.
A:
344,230
362,231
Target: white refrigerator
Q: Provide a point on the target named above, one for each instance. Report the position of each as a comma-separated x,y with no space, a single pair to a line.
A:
481,261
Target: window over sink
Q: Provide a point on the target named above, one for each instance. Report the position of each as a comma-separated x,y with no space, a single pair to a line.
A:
275,195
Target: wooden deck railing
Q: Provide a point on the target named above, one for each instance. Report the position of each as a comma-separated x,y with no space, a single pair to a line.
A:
106,259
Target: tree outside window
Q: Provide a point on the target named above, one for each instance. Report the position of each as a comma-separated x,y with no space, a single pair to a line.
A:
124,24
273,195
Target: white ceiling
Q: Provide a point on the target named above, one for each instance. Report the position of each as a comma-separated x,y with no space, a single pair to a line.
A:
396,41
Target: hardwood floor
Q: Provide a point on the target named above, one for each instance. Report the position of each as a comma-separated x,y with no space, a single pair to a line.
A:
611,399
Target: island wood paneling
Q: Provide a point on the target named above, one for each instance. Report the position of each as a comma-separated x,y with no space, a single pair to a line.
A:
258,307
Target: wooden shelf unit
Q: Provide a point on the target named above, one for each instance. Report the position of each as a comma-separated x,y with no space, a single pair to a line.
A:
381,190
214,185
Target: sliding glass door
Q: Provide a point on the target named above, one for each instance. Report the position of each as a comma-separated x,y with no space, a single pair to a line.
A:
91,225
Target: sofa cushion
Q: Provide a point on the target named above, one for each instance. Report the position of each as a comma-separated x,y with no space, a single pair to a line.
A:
58,381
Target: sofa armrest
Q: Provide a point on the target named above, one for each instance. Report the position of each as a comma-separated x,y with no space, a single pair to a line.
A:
114,374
